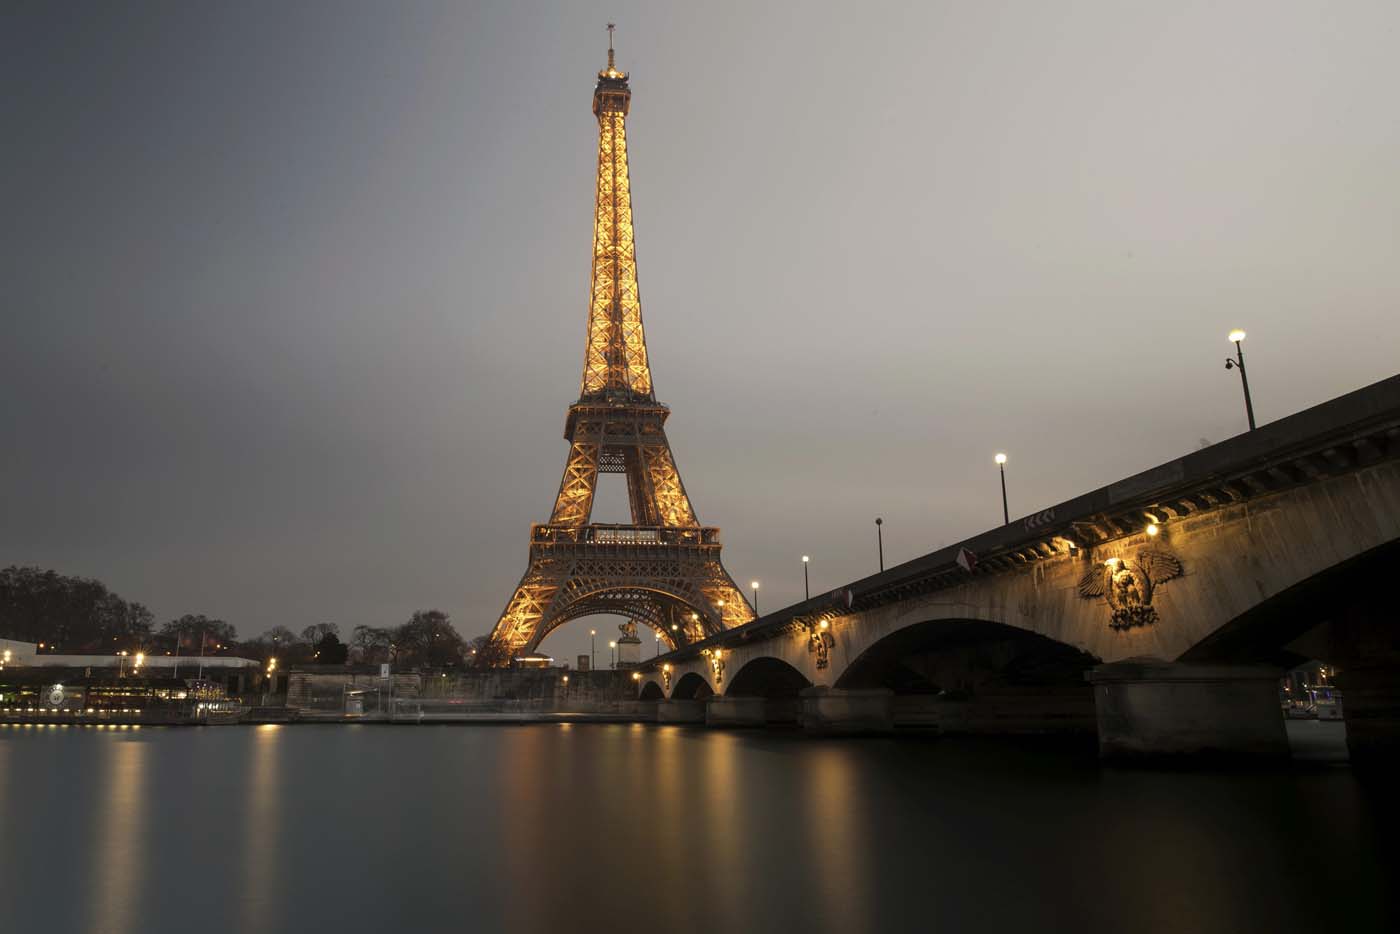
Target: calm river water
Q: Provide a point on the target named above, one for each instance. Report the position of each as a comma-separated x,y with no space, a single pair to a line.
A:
665,829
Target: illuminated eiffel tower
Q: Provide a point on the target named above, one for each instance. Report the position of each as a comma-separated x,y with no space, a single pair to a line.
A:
662,570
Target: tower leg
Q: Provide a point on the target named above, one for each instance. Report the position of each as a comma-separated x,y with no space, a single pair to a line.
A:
519,629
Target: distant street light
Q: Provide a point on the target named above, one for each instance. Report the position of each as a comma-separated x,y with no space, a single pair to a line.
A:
806,582
613,646
754,585
121,665
593,649
720,605
1005,512
880,540
1237,338
658,645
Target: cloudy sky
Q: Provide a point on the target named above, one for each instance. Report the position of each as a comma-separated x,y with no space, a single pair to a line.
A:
295,294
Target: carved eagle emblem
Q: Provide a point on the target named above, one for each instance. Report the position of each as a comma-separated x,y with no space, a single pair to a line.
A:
1128,587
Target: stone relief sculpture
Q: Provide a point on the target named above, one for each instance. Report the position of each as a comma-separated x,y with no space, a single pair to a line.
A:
1128,588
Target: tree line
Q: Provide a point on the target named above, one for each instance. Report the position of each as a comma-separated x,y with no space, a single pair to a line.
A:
80,616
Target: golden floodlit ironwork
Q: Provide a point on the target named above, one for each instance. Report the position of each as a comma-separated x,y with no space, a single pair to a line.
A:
663,570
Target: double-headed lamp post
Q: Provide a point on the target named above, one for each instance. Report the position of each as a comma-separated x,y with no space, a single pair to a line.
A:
806,581
1237,338
1005,512
754,585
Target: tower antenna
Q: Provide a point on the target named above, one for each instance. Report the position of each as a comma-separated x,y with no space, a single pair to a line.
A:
611,27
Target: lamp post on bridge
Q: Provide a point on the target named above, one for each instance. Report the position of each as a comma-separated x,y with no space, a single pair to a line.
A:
754,584
1005,512
613,645
806,582
880,540
593,649
1237,338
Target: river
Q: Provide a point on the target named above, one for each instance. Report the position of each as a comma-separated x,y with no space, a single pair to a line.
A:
666,829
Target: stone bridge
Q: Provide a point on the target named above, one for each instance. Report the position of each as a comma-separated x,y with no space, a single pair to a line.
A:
1159,610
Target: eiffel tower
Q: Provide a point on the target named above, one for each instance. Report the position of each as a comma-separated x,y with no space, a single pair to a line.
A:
663,569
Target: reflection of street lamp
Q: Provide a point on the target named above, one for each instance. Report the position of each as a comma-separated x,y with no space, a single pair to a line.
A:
1237,337
267,683
1001,465
754,585
806,582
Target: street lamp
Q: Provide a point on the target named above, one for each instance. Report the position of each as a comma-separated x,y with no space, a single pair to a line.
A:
1237,338
880,540
121,665
1005,512
754,585
658,645
806,582
720,605
593,649
613,646
140,659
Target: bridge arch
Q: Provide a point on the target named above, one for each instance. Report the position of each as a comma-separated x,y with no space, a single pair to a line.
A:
775,680
767,676
692,686
651,691
973,675
950,654
1338,614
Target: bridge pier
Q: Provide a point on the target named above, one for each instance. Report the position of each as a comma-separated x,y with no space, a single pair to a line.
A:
721,710
1371,710
1149,708
680,711
828,710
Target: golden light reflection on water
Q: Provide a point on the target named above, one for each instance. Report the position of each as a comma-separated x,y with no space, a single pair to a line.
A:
723,842
120,850
261,827
839,838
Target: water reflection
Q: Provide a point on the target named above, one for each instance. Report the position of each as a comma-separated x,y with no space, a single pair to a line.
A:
674,829
119,852
835,823
261,828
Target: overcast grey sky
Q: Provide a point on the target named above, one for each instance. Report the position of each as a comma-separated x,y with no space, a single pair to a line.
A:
295,294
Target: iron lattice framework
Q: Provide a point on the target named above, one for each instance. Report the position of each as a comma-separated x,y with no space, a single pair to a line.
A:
663,570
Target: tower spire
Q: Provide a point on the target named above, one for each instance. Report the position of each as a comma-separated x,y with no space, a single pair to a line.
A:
615,358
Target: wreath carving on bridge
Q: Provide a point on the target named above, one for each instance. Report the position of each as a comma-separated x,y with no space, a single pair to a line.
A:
1128,587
